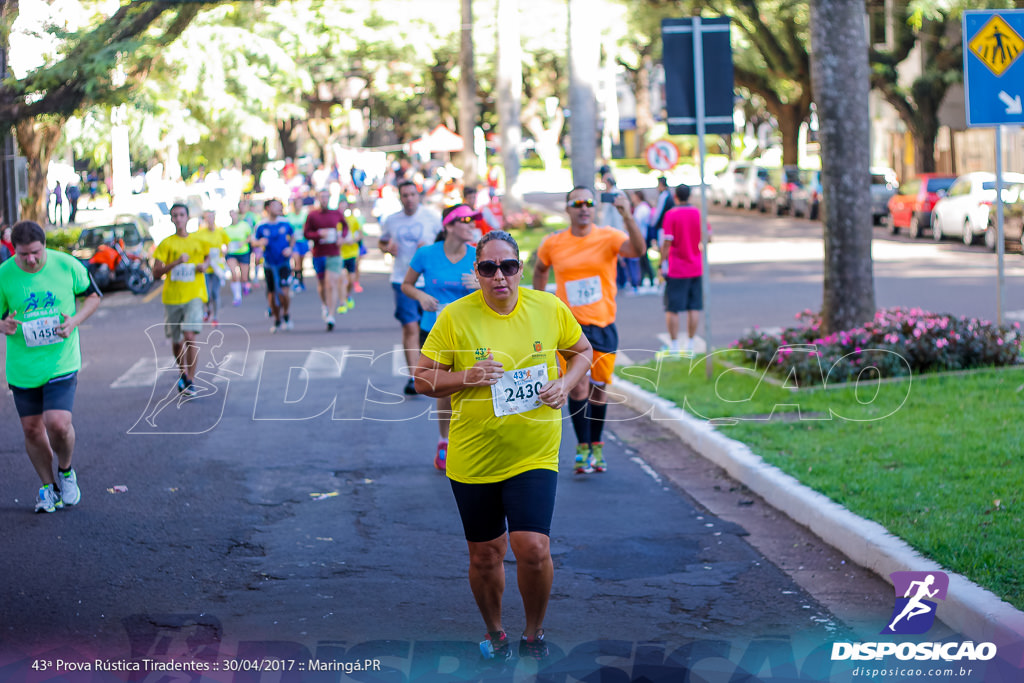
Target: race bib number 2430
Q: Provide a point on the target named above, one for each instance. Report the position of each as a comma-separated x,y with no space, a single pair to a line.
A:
518,390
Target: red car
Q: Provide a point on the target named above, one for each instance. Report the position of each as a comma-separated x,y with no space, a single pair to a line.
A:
911,206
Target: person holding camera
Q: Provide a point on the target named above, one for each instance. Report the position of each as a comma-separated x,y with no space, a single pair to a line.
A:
584,259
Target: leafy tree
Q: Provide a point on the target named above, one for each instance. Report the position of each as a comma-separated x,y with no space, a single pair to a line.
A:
82,74
930,30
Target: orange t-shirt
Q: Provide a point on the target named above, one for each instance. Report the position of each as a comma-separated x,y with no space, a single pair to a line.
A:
585,271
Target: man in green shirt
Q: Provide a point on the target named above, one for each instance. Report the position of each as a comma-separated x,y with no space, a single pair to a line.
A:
39,316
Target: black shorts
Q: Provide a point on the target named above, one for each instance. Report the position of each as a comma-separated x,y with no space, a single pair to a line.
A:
683,294
57,394
278,277
603,339
526,500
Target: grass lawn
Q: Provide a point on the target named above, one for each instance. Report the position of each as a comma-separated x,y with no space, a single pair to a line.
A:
937,460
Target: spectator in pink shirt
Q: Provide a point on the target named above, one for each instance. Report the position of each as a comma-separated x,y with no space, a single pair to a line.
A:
683,268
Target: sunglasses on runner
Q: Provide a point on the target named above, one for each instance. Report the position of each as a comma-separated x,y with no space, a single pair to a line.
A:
463,219
509,267
580,203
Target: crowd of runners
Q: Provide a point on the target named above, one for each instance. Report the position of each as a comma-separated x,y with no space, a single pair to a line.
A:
502,358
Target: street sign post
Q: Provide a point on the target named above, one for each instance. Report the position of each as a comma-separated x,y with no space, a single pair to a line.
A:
697,57
993,43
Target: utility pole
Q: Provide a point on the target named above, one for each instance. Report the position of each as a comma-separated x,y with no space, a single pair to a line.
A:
584,60
467,98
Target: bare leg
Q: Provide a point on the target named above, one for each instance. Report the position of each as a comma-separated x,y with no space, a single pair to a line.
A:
692,318
190,354
535,572
37,445
487,579
61,434
672,324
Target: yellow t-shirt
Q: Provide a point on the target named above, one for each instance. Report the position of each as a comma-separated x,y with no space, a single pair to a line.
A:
483,446
354,225
585,271
185,281
214,239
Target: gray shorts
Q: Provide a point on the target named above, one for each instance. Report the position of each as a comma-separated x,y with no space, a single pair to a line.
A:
181,318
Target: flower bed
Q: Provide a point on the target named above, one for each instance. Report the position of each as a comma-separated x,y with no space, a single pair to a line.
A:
895,343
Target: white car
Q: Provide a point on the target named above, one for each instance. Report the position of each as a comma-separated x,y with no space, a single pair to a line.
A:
155,212
726,185
963,211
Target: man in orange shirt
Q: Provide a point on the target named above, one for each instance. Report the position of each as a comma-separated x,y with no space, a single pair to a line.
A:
584,259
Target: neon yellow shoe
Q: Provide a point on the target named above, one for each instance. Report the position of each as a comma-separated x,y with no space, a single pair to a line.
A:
597,457
582,463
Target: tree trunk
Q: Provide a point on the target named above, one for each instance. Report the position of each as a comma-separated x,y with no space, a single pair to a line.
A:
37,139
840,74
584,60
467,99
644,115
789,117
510,95
286,133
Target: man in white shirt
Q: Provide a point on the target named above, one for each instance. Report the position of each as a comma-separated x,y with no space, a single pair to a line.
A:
401,235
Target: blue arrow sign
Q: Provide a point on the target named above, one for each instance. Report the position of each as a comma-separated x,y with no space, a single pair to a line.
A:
993,42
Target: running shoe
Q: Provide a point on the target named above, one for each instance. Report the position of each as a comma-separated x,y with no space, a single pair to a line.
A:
668,354
190,390
206,317
582,462
48,499
343,308
182,383
351,303
357,288
288,325
70,494
237,302
441,459
330,323
597,457
496,647
410,388
276,327
534,648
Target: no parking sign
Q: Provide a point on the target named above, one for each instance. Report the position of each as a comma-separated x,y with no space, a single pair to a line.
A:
662,155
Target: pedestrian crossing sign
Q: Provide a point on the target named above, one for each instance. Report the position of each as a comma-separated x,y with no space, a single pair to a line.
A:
996,45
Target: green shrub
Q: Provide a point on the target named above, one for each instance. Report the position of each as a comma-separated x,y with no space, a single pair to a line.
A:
897,342
62,239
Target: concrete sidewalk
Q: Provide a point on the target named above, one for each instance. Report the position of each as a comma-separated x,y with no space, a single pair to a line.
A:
968,609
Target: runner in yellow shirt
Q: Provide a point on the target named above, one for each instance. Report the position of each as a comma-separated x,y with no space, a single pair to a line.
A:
584,259
215,240
494,352
183,260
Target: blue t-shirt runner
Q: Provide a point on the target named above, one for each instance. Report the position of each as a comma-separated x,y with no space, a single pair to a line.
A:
442,278
278,236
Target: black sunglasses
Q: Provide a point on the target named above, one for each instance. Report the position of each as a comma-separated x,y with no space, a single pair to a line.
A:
579,203
509,267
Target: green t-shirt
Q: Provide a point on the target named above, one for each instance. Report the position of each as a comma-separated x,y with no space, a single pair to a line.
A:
238,236
35,354
298,222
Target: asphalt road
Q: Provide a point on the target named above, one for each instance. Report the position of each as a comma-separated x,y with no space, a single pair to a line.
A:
290,513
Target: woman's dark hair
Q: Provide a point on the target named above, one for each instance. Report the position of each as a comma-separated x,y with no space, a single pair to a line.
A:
27,232
495,235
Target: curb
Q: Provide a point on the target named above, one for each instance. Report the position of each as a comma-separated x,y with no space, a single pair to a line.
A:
968,609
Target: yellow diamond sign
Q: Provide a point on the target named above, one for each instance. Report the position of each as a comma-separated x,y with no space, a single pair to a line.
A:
996,45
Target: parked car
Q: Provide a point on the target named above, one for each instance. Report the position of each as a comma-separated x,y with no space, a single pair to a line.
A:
1013,220
777,194
154,211
725,184
963,212
883,186
748,188
805,199
911,207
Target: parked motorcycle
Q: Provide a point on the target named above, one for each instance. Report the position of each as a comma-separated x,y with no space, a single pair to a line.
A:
112,266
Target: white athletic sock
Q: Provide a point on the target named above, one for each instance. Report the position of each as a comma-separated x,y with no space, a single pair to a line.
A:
236,289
